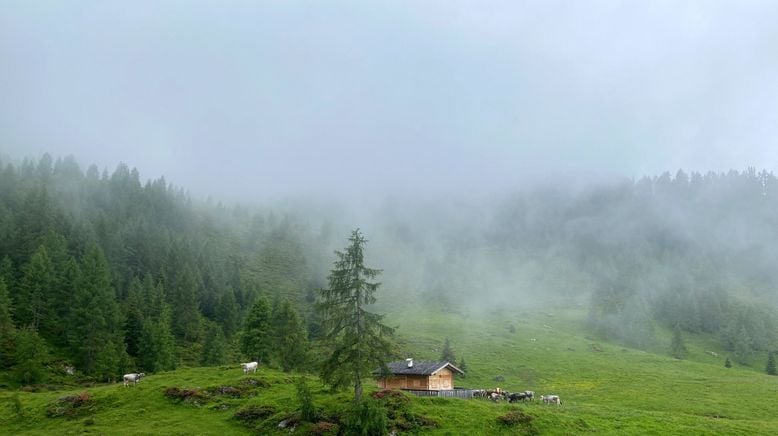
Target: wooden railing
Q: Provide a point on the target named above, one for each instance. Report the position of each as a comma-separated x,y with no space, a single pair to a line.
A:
448,393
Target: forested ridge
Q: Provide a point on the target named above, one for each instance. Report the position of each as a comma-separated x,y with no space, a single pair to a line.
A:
108,273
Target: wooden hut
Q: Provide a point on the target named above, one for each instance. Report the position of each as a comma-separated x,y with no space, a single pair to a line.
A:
407,374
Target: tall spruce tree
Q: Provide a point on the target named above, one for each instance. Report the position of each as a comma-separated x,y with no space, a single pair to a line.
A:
30,356
96,324
7,330
770,369
360,342
447,355
37,285
677,347
291,340
257,339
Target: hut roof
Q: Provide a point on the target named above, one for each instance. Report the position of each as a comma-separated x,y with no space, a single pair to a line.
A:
418,368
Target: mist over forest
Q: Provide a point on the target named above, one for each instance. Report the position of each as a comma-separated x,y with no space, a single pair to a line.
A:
692,251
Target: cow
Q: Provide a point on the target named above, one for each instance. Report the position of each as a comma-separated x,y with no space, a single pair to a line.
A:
518,396
249,366
530,395
551,399
133,378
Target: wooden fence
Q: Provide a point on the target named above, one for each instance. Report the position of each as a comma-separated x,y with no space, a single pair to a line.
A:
449,393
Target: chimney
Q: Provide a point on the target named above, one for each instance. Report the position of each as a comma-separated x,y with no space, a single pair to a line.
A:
409,362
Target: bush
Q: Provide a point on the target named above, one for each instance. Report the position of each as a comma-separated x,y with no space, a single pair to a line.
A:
193,395
71,406
366,418
517,417
251,414
307,408
325,428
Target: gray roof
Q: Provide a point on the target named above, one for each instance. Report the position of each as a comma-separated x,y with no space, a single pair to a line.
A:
418,368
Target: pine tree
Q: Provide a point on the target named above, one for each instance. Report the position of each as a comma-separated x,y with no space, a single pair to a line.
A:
95,324
360,342
227,312
7,330
447,355
770,369
677,347
257,339
186,318
30,357
463,366
214,346
291,340
727,363
36,285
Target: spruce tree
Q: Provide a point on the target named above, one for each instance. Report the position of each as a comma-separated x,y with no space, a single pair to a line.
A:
257,339
36,285
30,357
770,369
727,363
463,366
307,408
96,324
214,346
227,312
677,347
358,339
291,340
7,330
447,355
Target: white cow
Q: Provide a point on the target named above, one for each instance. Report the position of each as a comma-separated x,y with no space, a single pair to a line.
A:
551,399
250,366
133,378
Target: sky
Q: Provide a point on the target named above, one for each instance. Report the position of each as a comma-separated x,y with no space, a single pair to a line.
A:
256,100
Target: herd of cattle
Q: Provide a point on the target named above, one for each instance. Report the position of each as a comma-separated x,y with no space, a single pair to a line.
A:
498,394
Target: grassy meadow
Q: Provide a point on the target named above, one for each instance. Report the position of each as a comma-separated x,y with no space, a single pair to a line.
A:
605,389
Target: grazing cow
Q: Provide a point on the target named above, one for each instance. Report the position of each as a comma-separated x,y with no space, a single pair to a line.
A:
495,396
249,366
551,399
479,393
518,396
530,395
133,378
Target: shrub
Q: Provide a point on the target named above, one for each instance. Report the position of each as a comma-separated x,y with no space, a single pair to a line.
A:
366,418
193,395
250,414
325,428
307,408
71,406
517,417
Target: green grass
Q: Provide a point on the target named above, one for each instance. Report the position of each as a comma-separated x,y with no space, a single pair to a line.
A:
605,388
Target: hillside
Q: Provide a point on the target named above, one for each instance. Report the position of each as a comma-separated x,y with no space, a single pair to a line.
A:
606,389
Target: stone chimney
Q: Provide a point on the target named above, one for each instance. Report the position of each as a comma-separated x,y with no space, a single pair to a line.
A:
409,362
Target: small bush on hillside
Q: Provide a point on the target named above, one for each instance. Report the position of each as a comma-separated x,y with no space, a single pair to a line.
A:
71,406
517,417
255,382
194,395
366,418
307,408
251,414
324,428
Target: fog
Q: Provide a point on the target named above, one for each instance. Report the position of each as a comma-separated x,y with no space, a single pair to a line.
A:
257,101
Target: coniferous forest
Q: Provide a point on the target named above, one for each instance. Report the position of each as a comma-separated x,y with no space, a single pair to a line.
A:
107,273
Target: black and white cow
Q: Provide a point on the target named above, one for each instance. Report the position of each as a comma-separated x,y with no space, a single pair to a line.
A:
551,399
